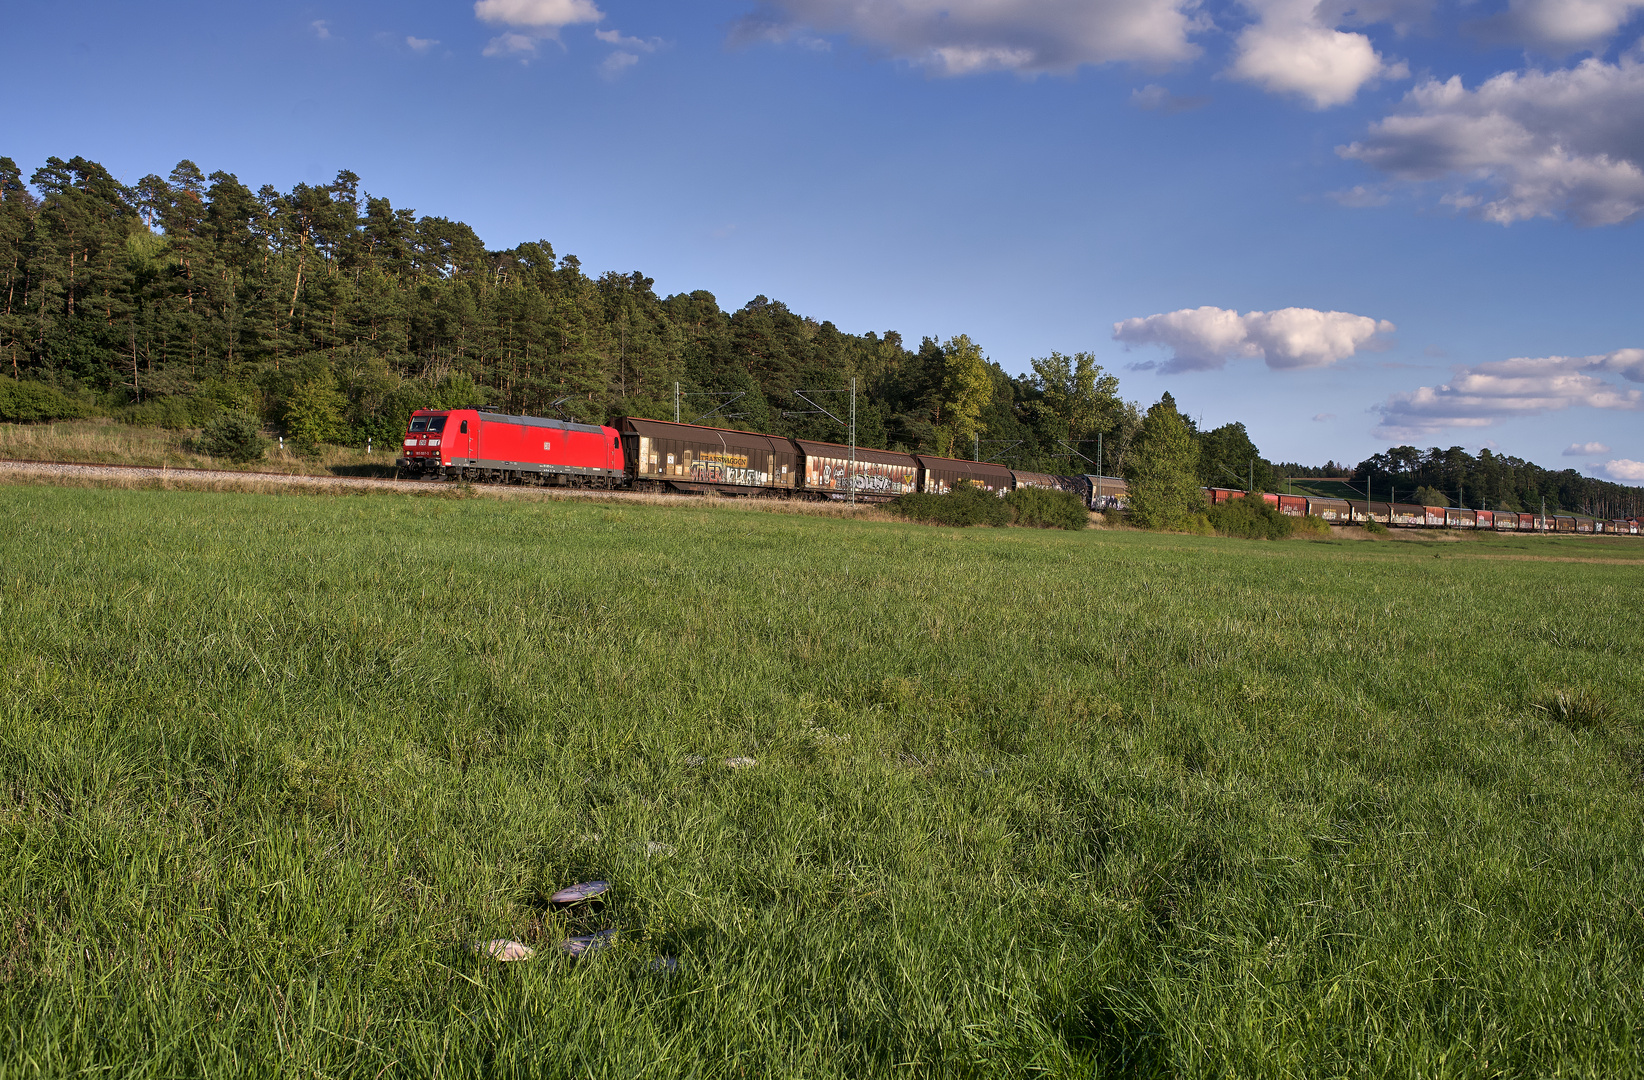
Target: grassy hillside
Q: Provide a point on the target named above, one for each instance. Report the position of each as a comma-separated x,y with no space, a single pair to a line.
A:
1064,804
1324,489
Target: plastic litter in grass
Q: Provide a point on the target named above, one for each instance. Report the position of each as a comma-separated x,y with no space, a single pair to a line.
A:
577,894
665,965
505,951
694,759
740,762
587,943
654,848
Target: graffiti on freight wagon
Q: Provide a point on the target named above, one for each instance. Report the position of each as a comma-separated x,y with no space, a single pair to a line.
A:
872,477
710,466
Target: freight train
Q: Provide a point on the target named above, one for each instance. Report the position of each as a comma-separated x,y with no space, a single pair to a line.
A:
661,456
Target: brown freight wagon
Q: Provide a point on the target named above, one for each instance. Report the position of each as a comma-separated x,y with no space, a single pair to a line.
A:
1330,509
938,475
1372,511
879,474
1106,492
662,455
1035,479
1409,514
1457,518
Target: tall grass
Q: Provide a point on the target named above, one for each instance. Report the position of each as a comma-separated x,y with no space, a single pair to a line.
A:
106,442
1025,803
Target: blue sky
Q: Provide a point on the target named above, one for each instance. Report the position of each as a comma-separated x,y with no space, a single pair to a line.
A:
1348,225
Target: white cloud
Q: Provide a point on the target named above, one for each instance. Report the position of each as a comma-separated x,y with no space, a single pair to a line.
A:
419,44
321,28
615,37
1585,449
617,63
1205,338
1358,196
1155,98
511,44
1560,27
1524,144
1323,416
1622,469
963,37
531,21
1291,49
549,15
1507,389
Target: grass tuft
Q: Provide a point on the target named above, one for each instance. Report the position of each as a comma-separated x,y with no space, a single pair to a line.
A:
1578,710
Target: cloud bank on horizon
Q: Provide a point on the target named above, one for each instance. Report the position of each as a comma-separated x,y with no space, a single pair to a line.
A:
1206,338
1499,390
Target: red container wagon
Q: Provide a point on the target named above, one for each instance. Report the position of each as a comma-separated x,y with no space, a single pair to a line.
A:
1433,516
880,474
1409,514
665,456
476,445
938,475
1293,505
1484,519
1215,496
1529,523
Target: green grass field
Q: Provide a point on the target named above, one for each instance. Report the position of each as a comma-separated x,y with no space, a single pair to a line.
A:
1025,803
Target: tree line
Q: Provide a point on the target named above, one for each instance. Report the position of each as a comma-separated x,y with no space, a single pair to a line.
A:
1491,481
328,313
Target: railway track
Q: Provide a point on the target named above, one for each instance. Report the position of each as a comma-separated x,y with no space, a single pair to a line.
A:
85,470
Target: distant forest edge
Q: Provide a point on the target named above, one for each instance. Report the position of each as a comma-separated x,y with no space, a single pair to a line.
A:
328,313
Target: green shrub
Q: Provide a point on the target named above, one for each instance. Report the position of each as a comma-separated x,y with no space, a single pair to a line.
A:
175,413
1250,517
966,504
1374,527
231,435
1047,509
26,402
1311,526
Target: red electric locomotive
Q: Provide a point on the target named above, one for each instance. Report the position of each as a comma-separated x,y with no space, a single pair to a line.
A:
471,444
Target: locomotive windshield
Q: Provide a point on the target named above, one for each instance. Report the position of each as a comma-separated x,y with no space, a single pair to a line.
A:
427,423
